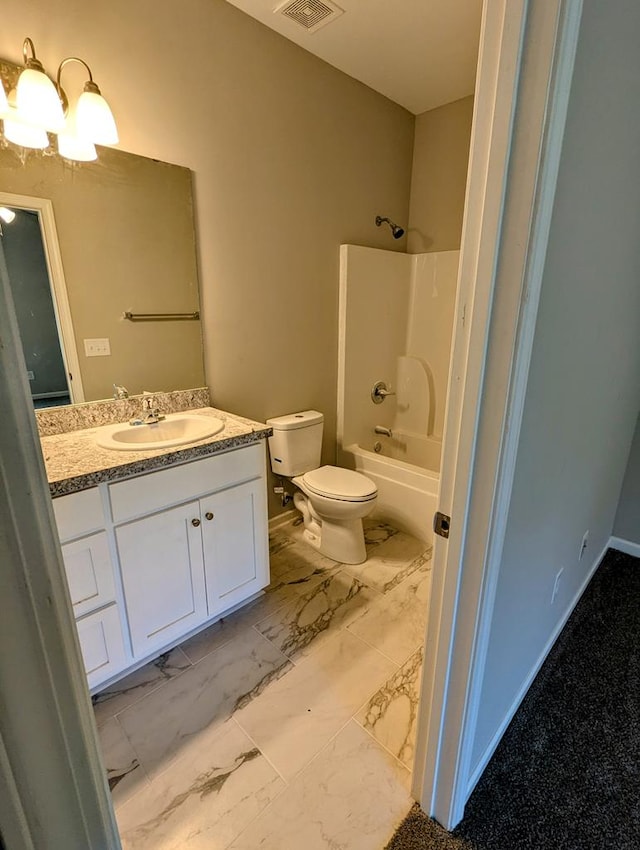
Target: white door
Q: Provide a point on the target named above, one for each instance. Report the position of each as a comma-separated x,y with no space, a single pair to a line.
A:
234,534
163,576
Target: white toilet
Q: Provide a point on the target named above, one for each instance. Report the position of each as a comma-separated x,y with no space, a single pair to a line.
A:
332,501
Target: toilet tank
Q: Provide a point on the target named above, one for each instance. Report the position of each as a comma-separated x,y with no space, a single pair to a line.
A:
296,444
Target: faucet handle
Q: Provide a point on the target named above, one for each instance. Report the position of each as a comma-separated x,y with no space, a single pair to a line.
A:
379,392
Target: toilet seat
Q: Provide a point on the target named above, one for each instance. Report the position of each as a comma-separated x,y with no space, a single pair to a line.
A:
340,484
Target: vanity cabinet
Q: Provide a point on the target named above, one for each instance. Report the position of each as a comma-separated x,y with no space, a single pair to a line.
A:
163,576
234,537
91,582
152,559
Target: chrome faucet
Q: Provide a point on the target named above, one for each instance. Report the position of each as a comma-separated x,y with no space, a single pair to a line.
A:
150,413
380,429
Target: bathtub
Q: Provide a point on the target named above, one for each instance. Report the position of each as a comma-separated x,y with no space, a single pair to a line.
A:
407,493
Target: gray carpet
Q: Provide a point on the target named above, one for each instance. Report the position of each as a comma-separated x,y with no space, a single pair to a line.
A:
566,775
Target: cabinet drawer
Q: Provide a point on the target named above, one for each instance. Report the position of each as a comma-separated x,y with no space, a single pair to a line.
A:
78,514
102,645
89,573
150,493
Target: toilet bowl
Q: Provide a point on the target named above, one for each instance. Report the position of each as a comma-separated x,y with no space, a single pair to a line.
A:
332,501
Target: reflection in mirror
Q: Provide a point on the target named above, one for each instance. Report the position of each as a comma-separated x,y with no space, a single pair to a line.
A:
50,379
116,236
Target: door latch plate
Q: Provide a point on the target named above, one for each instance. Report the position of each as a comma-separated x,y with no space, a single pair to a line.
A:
441,524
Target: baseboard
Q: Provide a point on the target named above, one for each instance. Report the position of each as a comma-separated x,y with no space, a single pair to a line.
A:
625,546
282,519
486,757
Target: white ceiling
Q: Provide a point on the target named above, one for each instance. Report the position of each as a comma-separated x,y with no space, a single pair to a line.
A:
419,53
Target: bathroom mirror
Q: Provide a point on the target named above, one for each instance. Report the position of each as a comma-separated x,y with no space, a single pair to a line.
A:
117,236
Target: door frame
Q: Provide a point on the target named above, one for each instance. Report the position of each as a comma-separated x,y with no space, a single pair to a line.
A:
524,77
53,788
57,284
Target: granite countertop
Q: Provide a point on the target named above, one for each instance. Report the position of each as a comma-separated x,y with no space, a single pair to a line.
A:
74,461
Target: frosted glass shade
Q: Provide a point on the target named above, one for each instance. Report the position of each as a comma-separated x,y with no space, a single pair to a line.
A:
76,149
25,135
7,215
94,119
38,102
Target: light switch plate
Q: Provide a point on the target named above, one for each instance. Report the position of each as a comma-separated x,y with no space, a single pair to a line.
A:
97,347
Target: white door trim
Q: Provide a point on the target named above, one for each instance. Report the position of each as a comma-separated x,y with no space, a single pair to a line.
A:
53,790
55,268
505,237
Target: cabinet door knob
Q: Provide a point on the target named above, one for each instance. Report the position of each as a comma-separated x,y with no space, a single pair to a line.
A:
209,515
195,523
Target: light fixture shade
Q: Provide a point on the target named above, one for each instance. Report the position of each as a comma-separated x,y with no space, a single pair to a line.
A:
25,135
76,149
94,119
38,102
7,215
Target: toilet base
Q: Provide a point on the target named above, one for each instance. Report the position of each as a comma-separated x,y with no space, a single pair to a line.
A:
343,541
340,540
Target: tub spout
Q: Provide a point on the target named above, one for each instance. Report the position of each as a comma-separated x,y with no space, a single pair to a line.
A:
380,429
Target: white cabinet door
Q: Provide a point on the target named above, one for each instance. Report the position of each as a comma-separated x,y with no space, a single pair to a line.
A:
163,576
89,572
234,534
102,646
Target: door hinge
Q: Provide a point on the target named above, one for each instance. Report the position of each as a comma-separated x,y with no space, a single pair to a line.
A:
441,524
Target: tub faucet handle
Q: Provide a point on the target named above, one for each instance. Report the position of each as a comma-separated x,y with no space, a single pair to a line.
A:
379,392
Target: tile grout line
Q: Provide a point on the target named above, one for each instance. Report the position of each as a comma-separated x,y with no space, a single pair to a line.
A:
157,687
262,753
382,746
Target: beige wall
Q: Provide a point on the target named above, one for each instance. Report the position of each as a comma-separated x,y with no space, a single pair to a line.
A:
440,159
290,158
126,235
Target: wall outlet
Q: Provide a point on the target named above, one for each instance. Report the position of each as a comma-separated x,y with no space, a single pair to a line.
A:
97,347
31,375
556,585
583,544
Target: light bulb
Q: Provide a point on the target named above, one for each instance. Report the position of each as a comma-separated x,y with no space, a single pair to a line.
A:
72,147
24,135
94,119
38,102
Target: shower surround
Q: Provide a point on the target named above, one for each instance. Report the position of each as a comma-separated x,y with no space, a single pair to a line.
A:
396,322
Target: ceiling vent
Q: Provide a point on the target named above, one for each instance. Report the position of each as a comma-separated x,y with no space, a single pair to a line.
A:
310,14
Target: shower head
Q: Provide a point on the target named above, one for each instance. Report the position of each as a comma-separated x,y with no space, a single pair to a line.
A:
396,231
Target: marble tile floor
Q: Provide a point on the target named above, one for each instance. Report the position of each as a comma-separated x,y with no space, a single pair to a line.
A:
290,723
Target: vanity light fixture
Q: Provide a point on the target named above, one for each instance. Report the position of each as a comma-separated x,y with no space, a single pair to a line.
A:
38,106
37,100
7,215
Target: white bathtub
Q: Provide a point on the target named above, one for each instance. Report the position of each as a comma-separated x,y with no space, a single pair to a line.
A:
407,494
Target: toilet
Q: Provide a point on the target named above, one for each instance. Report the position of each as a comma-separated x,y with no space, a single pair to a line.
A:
332,501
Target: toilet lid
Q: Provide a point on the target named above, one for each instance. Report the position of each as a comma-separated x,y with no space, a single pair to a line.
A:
339,483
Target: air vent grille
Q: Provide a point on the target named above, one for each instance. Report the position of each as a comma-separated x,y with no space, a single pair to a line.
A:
310,14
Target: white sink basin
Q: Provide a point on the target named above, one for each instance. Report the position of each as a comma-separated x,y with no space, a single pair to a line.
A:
175,430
